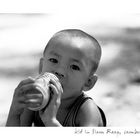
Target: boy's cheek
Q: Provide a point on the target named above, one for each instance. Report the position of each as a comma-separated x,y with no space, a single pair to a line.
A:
77,81
75,85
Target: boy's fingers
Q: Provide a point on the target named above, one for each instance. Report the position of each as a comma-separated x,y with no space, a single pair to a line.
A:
22,83
53,90
33,101
21,99
28,91
57,84
31,105
55,94
55,100
26,81
29,88
33,96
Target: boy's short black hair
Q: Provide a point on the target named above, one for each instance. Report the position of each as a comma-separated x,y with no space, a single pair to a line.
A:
80,34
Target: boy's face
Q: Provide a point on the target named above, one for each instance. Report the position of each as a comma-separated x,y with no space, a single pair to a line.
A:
68,60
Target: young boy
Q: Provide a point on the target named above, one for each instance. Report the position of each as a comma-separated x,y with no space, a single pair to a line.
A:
73,56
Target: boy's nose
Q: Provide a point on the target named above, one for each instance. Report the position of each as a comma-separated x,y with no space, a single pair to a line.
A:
60,71
59,75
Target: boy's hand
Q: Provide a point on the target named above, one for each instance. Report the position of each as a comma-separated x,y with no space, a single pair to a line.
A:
48,115
18,102
22,98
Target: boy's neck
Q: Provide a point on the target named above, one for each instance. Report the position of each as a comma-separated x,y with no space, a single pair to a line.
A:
65,107
67,103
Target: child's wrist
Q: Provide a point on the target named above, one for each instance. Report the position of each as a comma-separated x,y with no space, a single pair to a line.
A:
52,122
13,120
14,115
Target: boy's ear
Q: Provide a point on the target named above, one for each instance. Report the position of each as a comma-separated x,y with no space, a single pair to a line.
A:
40,65
90,82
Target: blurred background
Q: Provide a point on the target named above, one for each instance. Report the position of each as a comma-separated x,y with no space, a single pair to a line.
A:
117,91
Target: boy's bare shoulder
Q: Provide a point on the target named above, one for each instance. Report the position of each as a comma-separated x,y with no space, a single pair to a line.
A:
89,115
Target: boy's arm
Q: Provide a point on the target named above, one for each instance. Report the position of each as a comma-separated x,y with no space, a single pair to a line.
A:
53,123
24,119
48,115
89,115
14,113
13,117
27,117
18,104
13,120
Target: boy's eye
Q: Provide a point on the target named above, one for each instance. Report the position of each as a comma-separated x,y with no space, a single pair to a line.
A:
53,60
75,67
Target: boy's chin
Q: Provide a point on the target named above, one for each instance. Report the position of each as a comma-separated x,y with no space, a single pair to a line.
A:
68,97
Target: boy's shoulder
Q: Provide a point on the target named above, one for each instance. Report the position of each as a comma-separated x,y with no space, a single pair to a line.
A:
89,114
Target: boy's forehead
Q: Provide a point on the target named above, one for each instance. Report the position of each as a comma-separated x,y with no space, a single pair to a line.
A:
88,47
84,45
73,42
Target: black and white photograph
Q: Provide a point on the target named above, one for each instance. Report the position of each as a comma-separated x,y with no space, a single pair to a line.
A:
116,92
70,70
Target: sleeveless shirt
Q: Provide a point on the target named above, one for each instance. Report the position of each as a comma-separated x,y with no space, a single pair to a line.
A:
71,115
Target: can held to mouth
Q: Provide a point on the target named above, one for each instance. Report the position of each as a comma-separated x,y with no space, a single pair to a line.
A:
42,83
